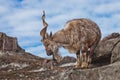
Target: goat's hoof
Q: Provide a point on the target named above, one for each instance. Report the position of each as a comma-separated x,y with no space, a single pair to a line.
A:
89,60
77,66
84,65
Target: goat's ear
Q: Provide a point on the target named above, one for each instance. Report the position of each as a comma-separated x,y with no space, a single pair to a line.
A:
50,34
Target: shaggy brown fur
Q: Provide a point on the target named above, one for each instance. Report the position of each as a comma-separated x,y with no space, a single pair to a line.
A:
77,35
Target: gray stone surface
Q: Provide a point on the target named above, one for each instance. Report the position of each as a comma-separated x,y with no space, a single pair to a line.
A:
116,53
108,72
107,51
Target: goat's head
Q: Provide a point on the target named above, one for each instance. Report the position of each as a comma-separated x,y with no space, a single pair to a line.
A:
47,39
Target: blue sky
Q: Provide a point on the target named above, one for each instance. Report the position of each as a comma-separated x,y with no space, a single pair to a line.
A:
22,18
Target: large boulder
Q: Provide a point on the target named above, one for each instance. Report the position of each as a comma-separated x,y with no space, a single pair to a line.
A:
108,50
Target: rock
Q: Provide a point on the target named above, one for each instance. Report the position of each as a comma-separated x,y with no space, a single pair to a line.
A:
107,47
111,36
116,53
25,66
51,64
67,59
8,43
109,72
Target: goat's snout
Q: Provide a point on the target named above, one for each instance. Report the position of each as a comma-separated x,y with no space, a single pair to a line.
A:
49,52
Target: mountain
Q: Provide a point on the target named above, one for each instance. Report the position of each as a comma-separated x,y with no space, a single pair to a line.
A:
17,64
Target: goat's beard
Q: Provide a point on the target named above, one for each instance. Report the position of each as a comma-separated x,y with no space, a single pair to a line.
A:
56,56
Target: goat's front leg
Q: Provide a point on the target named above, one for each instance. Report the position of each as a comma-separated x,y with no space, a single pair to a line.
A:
78,65
54,58
57,57
89,56
84,60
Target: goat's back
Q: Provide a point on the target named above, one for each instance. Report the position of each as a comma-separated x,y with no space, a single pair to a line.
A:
81,32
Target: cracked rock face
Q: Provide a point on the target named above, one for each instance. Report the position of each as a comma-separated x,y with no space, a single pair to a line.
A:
116,53
108,50
109,72
8,43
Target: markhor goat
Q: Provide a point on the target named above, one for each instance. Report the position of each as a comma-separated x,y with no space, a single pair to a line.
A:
78,36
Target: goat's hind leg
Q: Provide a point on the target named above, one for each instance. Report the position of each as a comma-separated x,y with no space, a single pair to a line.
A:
78,65
84,60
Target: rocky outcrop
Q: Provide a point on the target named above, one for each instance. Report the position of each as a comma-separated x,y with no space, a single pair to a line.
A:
105,65
8,43
108,50
108,72
66,61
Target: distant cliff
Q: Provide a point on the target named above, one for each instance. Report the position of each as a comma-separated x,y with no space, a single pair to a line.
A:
8,43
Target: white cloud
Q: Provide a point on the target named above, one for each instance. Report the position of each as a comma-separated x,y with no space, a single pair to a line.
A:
22,18
108,8
37,50
3,10
65,52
